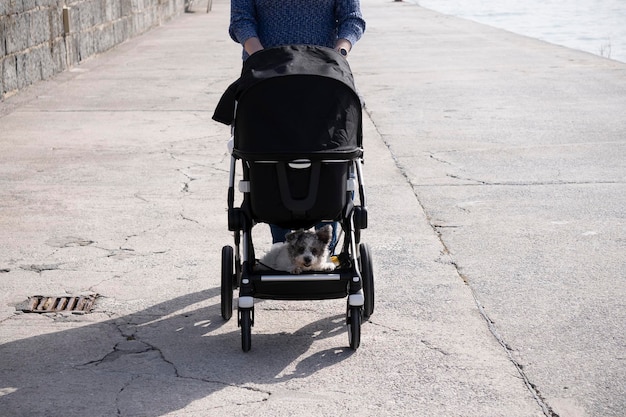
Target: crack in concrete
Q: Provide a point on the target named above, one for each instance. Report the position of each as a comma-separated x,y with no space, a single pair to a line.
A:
128,346
532,388
118,401
443,161
190,179
125,251
120,253
182,216
40,268
478,183
68,242
139,197
458,177
384,326
432,347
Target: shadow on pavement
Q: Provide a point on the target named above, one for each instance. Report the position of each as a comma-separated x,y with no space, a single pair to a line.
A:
153,362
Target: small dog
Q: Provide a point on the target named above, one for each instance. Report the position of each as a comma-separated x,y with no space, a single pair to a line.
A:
303,251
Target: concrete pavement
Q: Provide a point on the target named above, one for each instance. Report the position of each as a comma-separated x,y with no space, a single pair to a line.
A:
496,183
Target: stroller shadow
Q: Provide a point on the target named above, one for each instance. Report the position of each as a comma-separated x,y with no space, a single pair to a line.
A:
152,362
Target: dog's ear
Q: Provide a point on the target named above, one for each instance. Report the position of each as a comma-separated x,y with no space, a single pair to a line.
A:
325,233
291,236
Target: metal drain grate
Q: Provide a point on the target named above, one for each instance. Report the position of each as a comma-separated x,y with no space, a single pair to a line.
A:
73,304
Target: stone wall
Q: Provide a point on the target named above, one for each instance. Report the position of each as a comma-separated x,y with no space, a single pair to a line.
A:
40,38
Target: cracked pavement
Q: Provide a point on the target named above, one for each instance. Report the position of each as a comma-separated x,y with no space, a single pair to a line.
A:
494,168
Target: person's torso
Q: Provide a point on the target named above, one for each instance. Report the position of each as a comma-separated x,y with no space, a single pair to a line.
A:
288,22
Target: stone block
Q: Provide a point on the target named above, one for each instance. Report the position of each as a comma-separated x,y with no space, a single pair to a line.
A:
29,5
72,47
50,4
12,6
104,38
59,56
29,67
17,33
2,92
3,50
126,8
20,71
122,30
9,74
112,10
80,17
55,19
47,66
39,26
97,12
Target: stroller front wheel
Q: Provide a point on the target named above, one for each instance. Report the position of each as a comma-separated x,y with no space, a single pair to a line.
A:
354,327
245,321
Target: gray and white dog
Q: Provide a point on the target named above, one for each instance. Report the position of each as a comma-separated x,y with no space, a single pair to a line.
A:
304,250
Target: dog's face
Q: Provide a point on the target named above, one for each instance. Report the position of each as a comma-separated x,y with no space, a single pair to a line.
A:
309,249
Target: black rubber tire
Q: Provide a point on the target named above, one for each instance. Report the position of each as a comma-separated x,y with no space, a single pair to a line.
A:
227,282
367,275
354,327
246,328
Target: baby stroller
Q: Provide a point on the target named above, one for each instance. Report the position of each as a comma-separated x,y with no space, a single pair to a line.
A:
297,130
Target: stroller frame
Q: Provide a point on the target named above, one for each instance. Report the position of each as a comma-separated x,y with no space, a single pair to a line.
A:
294,169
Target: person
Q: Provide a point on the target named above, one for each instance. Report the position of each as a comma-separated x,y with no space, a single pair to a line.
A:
260,24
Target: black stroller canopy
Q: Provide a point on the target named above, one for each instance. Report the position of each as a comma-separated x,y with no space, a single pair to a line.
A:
292,100
297,60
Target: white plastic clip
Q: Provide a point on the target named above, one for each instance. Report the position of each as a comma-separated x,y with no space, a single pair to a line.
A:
351,184
244,186
357,299
246,302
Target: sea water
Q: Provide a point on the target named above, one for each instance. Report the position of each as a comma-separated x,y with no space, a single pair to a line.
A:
595,26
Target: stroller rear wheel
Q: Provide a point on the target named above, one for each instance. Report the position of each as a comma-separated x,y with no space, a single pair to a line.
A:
227,282
354,326
367,275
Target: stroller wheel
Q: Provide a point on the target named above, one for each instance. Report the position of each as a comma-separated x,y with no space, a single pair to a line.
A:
227,282
354,326
245,321
367,274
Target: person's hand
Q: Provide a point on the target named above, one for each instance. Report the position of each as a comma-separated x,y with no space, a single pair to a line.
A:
343,46
252,45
